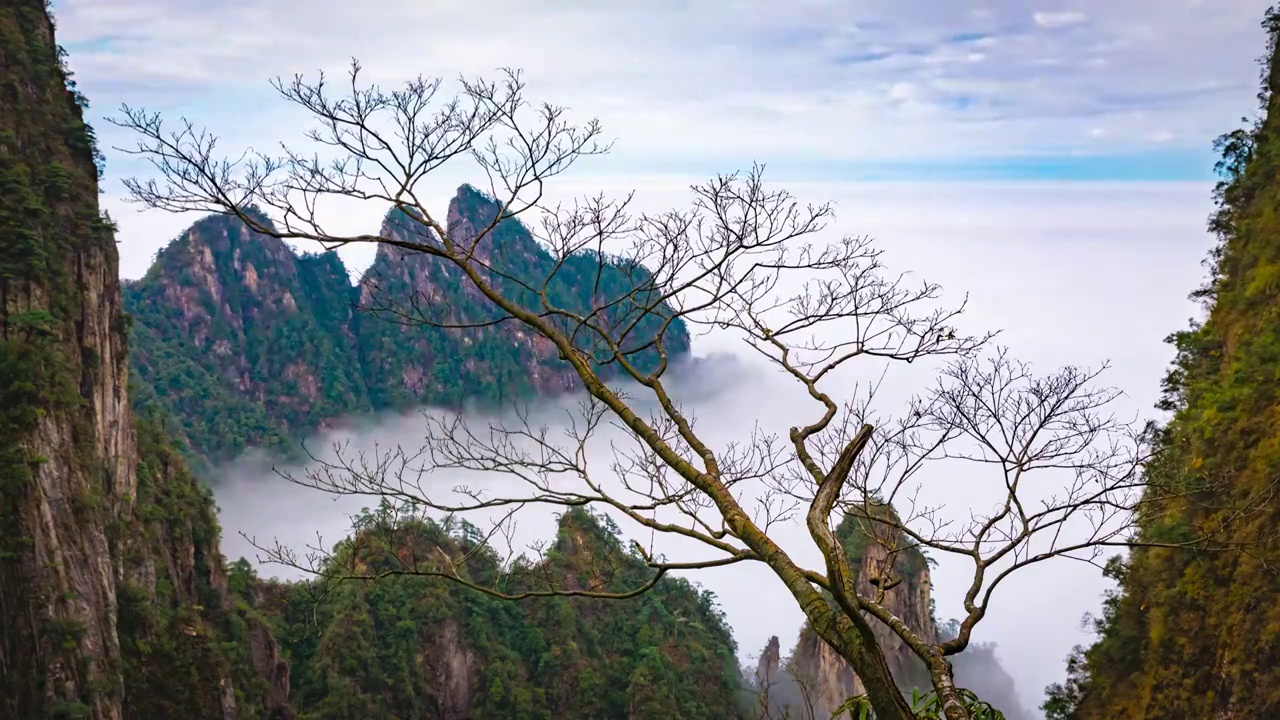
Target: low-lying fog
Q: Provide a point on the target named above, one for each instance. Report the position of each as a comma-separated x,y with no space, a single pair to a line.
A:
1080,292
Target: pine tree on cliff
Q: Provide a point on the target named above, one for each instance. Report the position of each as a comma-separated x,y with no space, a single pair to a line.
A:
1197,635
112,594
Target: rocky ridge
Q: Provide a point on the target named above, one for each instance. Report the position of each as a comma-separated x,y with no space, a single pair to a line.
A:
812,681
250,345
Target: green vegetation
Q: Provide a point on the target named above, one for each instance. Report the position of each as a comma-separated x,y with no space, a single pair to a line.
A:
72,524
48,225
241,344
195,638
875,524
180,631
868,528
413,646
926,706
248,345
237,368
1195,633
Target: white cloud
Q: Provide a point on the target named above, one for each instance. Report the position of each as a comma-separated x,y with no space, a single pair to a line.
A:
1073,274
1058,19
706,82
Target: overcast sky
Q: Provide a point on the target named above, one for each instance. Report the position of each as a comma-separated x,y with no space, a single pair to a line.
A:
1053,159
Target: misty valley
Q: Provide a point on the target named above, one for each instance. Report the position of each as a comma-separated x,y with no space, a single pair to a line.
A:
543,459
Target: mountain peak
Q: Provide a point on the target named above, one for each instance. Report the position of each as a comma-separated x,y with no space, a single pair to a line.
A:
254,345
469,192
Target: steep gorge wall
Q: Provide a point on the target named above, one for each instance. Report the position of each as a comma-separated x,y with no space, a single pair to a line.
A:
1195,632
108,549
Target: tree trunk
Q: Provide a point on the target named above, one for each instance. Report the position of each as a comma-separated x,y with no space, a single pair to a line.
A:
944,687
859,648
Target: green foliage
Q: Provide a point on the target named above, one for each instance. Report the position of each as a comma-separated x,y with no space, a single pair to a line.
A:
21,213
614,292
247,345
180,637
56,518
1194,633
407,646
862,527
21,395
54,246
44,181
71,711
47,151
240,341
925,706
65,633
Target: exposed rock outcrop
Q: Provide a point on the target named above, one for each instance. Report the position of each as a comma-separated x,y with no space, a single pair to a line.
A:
814,680
250,345
112,601
882,556
769,665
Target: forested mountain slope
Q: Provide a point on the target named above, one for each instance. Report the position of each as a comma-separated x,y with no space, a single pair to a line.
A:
416,647
250,345
1196,633
115,603
113,597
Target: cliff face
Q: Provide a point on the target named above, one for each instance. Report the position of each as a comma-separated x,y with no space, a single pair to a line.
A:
251,345
909,600
69,461
815,680
239,339
106,546
1193,633
403,294
829,679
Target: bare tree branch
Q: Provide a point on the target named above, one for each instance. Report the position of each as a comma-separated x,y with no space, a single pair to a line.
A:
1067,476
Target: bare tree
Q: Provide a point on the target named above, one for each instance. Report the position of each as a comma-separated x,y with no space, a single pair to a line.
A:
744,258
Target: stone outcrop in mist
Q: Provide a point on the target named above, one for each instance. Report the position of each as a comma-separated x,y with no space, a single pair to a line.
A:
814,680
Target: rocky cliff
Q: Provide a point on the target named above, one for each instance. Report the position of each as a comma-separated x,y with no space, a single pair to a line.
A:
1194,632
112,596
814,680
252,345
239,339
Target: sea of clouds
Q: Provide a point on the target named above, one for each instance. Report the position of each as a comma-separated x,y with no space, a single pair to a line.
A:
1071,274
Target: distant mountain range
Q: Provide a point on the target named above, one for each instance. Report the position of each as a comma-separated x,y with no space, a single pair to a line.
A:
244,343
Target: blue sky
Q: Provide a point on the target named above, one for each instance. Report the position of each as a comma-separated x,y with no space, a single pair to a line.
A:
1010,90
822,91
1172,164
